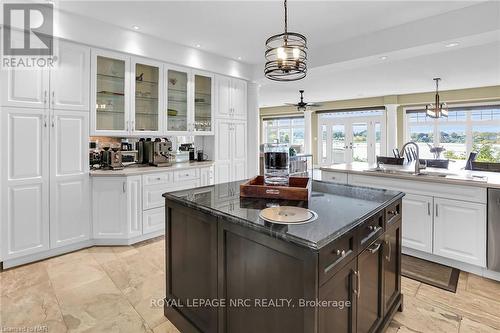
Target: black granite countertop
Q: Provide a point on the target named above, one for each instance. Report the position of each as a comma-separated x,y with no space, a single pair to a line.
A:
340,208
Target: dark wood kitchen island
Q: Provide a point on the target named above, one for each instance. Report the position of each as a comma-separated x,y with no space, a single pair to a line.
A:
228,271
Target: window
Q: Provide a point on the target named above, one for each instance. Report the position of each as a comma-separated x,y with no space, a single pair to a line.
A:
284,130
465,130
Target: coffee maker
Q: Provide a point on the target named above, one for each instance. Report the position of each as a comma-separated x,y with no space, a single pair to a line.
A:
111,159
157,153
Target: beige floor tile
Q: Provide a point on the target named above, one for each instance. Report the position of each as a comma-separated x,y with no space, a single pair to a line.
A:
166,327
71,274
409,287
125,251
34,306
103,254
20,278
67,258
462,281
469,326
98,306
464,303
436,319
155,252
393,327
484,287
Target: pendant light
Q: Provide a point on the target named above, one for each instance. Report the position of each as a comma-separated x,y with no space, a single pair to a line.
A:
438,109
286,55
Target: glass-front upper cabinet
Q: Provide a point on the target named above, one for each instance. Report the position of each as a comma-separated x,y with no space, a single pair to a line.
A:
178,103
203,102
146,103
111,93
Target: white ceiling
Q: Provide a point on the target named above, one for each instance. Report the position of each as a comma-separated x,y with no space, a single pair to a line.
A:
345,39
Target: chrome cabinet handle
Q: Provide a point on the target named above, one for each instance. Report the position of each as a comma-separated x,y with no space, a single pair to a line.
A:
45,97
53,100
437,215
124,187
357,290
126,125
374,247
341,253
45,121
429,208
394,212
388,257
53,121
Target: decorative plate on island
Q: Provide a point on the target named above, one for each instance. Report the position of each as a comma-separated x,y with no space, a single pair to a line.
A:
288,215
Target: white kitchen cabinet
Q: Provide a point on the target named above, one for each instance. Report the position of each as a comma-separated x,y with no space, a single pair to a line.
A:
146,117
231,156
206,176
116,207
417,222
134,206
231,98
64,87
69,178
202,122
153,220
25,182
110,93
460,231
69,80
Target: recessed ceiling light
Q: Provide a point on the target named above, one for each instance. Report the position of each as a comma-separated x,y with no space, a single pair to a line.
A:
451,44
135,27
198,45
239,58
383,58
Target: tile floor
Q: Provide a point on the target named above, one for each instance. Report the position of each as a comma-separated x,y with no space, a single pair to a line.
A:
110,289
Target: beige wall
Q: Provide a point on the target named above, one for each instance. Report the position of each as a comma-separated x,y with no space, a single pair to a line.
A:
450,96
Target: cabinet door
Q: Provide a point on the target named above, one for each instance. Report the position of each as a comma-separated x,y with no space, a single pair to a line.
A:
25,88
109,207
70,78
224,106
206,176
460,231
239,99
203,85
146,103
239,150
370,297
25,188
392,265
178,87
417,222
110,90
223,145
134,206
69,178
342,286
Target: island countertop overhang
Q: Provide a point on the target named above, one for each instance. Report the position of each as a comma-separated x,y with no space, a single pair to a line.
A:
340,208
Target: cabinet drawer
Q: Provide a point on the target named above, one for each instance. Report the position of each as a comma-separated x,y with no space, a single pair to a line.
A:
334,177
335,255
371,230
157,178
152,195
188,174
393,213
153,220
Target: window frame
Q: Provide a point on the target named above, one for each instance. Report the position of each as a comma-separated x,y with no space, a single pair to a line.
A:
289,127
469,123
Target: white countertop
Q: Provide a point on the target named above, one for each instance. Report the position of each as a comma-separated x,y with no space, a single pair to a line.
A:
134,169
457,177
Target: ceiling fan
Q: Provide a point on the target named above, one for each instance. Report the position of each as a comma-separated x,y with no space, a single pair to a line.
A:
302,106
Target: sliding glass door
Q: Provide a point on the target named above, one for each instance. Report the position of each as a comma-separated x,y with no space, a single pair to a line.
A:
346,138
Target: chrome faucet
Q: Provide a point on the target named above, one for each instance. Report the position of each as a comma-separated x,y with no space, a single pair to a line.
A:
417,162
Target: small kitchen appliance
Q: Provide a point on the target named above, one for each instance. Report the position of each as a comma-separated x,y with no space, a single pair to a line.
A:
200,156
111,158
157,152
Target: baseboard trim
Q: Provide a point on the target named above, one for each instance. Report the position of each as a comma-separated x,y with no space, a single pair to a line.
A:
9,263
481,271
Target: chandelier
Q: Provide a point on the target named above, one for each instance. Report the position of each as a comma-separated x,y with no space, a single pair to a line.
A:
286,55
437,109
